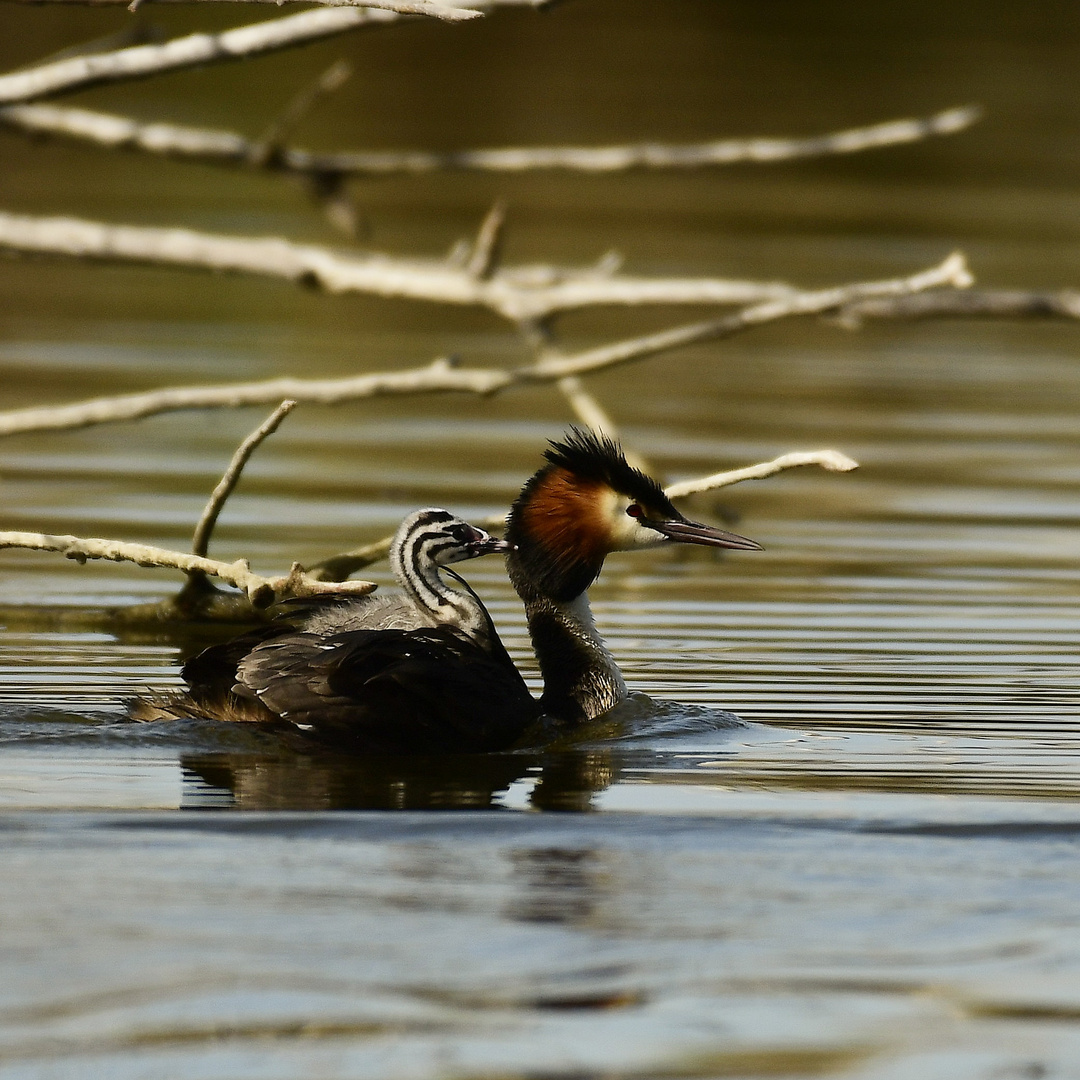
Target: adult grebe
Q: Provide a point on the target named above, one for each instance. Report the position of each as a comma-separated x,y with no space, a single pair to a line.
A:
585,503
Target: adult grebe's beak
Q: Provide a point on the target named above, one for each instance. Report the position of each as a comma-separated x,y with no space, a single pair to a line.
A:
691,532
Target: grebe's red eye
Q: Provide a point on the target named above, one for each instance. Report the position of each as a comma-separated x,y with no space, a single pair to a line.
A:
634,510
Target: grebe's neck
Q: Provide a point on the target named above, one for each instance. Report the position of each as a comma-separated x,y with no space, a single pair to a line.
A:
581,678
413,558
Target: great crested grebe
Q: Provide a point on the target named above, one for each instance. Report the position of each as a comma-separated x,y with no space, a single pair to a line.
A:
585,503
429,673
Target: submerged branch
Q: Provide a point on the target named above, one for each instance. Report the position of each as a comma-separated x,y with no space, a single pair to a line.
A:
442,377
261,591
230,148
516,293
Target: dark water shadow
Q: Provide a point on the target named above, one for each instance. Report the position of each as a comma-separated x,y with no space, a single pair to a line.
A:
244,781
563,774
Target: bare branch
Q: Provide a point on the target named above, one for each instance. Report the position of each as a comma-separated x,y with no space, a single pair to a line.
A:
339,567
261,591
952,272
586,408
595,417
485,251
231,148
831,460
140,61
517,293
200,542
976,303
441,376
602,159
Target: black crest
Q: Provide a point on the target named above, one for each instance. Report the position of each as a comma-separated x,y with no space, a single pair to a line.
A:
596,457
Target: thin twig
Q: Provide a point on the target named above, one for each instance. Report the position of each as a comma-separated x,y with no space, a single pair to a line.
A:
486,249
200,542
519,293
140,61
332,79
595,417
230,148
441,376
976,303
831,460
261,591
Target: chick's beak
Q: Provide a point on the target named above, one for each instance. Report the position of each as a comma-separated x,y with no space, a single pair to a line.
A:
485,544
691,532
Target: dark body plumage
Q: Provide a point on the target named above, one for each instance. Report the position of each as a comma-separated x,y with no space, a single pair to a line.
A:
422,673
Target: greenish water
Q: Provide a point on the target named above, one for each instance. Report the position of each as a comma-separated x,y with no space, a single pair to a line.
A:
874,877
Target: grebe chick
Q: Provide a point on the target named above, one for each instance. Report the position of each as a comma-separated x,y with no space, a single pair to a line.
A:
424,671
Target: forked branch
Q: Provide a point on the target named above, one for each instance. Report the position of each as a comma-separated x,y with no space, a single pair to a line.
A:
517,293
442,377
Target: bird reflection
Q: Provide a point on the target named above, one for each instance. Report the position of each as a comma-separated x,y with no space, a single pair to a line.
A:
558,885
251,781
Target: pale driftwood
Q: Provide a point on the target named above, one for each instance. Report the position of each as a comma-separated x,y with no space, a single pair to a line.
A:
587,409
517,293
200,541
141,61
441,376
229,148
831,460
976,303
261,591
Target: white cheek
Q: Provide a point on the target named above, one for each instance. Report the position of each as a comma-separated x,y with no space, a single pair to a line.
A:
628,535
